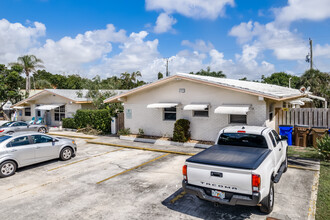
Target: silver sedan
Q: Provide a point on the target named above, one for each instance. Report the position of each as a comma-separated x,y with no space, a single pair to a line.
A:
18,126
25,148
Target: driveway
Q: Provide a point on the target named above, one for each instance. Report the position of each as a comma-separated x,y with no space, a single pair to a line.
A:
107,182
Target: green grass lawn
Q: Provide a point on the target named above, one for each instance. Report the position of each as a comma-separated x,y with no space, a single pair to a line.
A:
323,194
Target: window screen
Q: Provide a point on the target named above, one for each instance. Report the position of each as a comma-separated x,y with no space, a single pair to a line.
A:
237,119
170,114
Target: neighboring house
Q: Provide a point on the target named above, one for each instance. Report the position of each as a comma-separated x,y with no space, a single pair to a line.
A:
52,105
209,103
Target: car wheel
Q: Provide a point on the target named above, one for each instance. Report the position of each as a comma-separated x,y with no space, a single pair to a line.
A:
286,164
42,130
7,168
66,153
10,132
267,203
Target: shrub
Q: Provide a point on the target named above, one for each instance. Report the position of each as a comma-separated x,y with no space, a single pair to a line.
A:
97,119
69,123
141,132
181,132
124,131
323,146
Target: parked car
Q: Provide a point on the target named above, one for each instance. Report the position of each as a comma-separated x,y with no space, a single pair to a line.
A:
25,148
240,169
17,126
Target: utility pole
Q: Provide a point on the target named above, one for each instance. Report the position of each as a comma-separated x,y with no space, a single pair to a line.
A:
311,53
167,73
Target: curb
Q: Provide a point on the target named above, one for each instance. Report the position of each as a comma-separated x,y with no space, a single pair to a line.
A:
302,168
142,148
71,136
163,142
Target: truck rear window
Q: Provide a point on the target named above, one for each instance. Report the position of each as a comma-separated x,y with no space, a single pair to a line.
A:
242,139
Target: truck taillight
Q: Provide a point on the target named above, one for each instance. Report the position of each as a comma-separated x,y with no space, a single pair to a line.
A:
184,172
255,182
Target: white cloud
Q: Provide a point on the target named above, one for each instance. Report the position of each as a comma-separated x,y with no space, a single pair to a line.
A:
164,23
137,54
314,10
69,54
16,39
198,45
210,9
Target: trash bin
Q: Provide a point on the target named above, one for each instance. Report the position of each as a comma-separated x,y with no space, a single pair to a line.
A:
286,130
318,132
301,133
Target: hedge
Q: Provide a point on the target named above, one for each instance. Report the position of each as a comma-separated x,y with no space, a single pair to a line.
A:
97,119
181,132
69,123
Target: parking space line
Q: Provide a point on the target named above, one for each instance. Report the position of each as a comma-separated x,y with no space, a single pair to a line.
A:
141,148
71,136
98,155
302,168
178,197
157,158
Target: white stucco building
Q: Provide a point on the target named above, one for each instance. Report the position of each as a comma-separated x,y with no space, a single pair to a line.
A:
54,104
209,103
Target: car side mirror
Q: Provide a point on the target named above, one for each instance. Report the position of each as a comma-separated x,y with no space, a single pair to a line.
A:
54,140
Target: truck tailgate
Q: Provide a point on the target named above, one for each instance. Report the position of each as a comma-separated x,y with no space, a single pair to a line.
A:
220,178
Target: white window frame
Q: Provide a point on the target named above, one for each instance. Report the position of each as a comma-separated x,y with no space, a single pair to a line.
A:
201,116
166,111
60,113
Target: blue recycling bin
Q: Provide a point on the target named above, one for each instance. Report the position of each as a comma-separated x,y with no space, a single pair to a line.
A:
286,130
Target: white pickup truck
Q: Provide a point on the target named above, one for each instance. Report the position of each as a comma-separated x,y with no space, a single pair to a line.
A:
240,169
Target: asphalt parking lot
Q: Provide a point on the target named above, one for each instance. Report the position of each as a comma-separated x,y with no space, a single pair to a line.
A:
107,182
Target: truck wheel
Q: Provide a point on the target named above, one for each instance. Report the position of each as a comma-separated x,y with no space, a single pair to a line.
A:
267,203
286,164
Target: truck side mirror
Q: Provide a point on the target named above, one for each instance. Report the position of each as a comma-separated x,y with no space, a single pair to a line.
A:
284,138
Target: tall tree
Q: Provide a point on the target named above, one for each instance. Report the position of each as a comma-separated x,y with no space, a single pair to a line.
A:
10,81
29,63
160,75
208,72
319,83
281,79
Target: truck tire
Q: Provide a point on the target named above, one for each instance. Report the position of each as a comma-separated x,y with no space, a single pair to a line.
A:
267,203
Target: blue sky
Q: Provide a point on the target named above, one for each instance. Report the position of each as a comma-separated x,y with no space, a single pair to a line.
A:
105,37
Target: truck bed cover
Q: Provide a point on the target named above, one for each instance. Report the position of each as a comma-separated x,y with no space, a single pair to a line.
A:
231,156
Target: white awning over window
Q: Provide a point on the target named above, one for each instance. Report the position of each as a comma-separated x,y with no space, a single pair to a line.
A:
196,107
233,109
162,105
21,107
48,107
297,102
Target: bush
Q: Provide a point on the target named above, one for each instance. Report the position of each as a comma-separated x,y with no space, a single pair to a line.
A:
97,119
181,132
323,146
124,131
69,123
141,132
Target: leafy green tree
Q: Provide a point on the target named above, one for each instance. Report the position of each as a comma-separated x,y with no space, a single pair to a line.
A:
208,72
29,63
160,75
319,83
281,79
10,81
130,81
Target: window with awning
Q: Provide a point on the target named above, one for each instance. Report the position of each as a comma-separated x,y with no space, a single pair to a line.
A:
162,105
233,109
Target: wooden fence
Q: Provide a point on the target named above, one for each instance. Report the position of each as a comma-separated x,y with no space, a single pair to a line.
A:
313,117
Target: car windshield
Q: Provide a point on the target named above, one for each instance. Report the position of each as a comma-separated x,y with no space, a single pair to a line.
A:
4,137
6,124
243,140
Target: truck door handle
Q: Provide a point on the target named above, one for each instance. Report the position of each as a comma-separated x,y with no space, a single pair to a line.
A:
280,149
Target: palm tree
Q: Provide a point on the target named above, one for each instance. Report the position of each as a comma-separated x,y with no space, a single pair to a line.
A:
29,63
